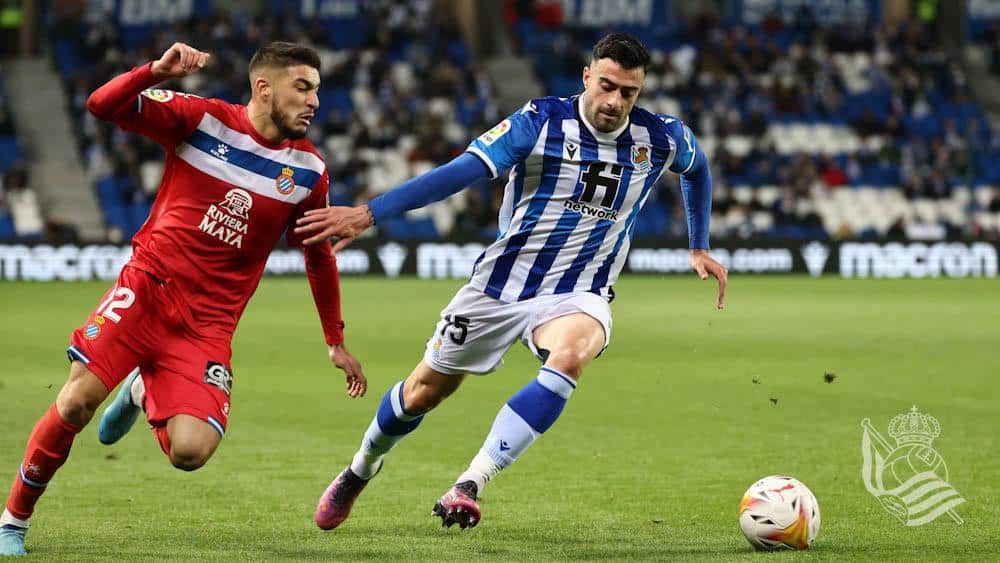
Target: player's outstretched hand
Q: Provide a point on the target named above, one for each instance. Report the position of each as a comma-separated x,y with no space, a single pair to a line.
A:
703,263
345,223
356,382
178,61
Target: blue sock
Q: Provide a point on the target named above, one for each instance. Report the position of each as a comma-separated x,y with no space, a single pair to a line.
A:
525,417
390,425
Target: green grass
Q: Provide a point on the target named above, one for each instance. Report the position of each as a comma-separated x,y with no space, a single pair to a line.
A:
648,461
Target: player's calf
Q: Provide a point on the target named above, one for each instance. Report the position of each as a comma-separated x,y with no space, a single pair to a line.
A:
80,396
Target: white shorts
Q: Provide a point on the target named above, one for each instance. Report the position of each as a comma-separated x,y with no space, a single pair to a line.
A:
476,330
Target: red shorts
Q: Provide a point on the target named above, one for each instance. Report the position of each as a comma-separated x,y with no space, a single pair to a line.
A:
139,323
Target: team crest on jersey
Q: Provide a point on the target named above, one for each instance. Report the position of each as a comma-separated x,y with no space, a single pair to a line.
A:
228,219
640,158
285,183
158,95
92,331
490,137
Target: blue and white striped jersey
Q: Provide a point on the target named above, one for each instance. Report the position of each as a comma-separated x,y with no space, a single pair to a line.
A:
573,196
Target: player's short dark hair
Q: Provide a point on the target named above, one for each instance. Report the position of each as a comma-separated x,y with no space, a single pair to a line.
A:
282,54
623,48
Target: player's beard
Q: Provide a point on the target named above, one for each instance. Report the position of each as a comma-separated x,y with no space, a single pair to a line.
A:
592,111
283,122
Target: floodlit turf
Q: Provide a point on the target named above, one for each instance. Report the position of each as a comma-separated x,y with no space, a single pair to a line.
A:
687,408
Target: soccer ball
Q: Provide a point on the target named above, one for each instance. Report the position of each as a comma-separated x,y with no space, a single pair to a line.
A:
779,512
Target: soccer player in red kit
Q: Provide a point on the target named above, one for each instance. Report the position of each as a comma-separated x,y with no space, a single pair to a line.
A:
235,178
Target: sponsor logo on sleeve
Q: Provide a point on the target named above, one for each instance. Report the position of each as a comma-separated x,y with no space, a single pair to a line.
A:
159,95
501,129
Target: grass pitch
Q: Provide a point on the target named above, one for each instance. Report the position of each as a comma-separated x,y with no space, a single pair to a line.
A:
686,409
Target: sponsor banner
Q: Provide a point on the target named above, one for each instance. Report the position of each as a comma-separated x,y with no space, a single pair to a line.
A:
600,14
826,12
137,19
448,260
343,20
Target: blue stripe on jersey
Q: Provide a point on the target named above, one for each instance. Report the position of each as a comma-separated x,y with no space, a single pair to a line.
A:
596,238
253,162
519,169
553,245
567,222
601,277
549,174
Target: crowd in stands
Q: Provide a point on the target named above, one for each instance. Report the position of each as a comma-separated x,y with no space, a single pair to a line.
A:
857,131
398,97
793,115
19,210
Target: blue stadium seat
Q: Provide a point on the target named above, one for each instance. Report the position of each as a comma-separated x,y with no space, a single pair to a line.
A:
138,212
67,58
117,216
6,227
10,152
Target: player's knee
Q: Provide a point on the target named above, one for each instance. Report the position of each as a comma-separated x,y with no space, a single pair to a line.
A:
76,407
570,361
189,456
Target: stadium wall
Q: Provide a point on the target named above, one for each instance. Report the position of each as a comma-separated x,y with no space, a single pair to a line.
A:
437,260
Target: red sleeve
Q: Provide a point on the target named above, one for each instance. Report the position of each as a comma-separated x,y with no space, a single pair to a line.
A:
321,268
324,279
165,116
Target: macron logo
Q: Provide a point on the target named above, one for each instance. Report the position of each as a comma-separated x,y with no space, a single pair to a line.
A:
504,446
815,255
392,256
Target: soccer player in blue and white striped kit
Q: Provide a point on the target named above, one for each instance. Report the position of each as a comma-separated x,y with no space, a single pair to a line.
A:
580,170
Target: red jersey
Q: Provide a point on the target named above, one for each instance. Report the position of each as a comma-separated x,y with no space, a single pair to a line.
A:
226,198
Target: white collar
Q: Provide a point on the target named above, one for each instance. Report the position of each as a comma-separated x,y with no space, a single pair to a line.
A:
606,137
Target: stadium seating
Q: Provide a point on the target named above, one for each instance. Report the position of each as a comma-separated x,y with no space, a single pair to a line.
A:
737,101
20,214
855,150
374,97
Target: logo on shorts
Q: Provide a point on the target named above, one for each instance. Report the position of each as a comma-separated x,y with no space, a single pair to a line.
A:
92,331
285,183
217,374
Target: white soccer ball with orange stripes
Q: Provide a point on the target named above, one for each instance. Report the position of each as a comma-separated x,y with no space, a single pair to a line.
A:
779,512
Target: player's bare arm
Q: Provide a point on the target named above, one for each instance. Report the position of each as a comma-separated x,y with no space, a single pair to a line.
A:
704,265
178,61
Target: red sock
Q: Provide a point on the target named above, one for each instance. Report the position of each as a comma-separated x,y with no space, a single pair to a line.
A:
163,437
48,448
